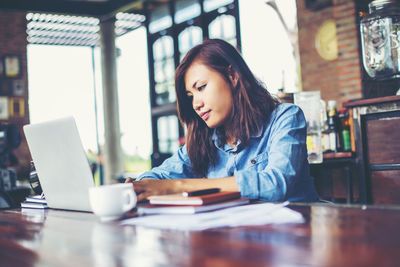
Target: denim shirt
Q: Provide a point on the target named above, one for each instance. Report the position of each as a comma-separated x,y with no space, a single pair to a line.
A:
272,166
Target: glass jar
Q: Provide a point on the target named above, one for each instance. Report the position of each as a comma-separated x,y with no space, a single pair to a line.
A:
380,39
310,103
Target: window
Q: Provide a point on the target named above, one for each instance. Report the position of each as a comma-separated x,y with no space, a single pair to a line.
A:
164,70
160,19
169,42
268,50
210,5
168,134
188,38
133,100
186,10
53,94
223,27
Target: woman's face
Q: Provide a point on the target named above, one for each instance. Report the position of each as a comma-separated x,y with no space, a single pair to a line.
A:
211,94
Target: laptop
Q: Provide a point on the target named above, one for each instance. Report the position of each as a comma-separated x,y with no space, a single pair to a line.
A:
61,163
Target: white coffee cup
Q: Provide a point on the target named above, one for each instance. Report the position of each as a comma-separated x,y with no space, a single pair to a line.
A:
110,202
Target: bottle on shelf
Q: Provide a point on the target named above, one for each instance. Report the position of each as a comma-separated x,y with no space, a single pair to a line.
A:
345,130
324,128
334,143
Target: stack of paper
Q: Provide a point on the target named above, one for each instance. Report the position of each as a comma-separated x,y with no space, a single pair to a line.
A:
255,214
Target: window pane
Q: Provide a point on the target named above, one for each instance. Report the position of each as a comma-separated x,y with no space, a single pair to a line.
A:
134,102
168,134
160,19
171,90
223,27
164,70
214,4
170,70
186,9
163,48
158,50
165,93
162,93
270,54
53,94
188,38
159,75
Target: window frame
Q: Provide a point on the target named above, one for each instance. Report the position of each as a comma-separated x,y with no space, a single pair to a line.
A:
203,21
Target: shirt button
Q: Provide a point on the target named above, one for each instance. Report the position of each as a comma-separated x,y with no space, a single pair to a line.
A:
234,153
253,161
231,174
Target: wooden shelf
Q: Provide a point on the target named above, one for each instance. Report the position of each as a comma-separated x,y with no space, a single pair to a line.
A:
338,155
369,101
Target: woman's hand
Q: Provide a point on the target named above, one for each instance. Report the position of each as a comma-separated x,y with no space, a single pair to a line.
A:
149,187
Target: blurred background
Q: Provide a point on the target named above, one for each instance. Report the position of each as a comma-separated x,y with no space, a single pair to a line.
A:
110,64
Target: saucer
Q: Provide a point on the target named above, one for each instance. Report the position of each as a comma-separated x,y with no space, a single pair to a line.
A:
110,218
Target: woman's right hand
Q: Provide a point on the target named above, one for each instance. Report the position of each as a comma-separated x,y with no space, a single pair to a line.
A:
149,187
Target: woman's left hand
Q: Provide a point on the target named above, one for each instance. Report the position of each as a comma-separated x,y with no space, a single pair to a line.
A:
149,187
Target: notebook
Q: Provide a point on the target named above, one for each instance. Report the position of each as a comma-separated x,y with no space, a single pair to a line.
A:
176,209
61,163
179,199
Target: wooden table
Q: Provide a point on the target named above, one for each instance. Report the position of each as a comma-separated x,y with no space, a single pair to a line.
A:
331,236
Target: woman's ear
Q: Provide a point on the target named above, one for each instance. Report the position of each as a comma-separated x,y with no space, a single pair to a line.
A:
233,76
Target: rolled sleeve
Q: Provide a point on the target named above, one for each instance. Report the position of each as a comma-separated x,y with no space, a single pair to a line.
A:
287,155
261,185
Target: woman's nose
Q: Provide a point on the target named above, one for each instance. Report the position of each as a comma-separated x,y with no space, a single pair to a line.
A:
197,102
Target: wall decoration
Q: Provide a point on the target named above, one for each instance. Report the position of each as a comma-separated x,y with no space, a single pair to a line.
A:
4,87
17,107
4,114
18,88
11,65
326,40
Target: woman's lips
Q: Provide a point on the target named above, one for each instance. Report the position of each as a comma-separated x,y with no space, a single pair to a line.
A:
205,115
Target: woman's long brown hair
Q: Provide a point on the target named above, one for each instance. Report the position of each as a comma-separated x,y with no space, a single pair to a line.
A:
252,103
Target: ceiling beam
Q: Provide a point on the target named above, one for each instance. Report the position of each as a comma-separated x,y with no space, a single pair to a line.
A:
81,8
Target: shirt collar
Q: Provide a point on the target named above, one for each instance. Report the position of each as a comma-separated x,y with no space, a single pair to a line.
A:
216,139
218,143
259,133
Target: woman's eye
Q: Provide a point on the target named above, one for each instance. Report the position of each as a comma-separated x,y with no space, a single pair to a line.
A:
201,87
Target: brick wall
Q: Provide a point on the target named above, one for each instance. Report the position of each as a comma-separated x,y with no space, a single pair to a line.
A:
339,79
13,42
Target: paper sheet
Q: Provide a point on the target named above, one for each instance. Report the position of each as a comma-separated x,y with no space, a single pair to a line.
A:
254,214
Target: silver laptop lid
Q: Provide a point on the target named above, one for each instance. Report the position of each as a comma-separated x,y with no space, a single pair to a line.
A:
61,163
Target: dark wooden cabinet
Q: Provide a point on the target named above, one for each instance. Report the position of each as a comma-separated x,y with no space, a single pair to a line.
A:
376,131
336,177
385,186
383,140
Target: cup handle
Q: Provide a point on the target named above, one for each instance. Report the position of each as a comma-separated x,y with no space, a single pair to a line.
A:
132,200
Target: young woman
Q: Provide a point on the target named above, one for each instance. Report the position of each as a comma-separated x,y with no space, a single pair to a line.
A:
239,138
